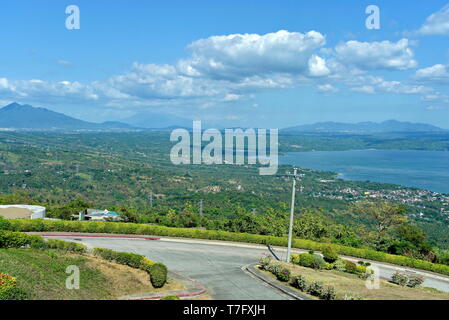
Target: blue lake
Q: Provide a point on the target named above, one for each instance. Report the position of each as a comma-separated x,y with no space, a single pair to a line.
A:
422,169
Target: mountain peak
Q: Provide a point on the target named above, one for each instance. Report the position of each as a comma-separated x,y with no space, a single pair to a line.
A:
15,106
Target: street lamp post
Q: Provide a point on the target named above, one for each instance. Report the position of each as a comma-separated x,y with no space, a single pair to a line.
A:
292,213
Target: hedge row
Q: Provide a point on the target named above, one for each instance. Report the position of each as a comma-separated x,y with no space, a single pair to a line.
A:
10,239
143,229
157,271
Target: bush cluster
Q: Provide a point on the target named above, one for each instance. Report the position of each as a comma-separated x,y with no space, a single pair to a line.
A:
132,260
131,228
158,273
316,289
281,272
9,239
329,254
409,280
9,289
315,261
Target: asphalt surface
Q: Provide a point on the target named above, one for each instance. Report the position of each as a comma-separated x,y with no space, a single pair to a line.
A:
218,265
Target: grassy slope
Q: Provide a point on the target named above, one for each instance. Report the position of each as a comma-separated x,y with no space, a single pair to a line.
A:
42,273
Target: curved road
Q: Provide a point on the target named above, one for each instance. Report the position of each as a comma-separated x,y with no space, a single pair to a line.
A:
218,265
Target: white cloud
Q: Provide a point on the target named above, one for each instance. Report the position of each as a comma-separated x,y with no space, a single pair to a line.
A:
437,23
64,63
384,55
238,56
373,84
438,74
327,88
222,69
317,67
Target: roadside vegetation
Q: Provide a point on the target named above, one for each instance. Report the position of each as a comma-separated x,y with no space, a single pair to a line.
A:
32,268
312,276
143,229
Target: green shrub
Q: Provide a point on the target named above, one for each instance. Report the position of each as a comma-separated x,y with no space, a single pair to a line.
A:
316,289
4,224
328,293
306,260
340,265
66,246
317,262
37,242
301,283
171,298
158,275
283,274
328,266
7,281
329,254
350,267
360,269
265,262
14,293
10,239
352,296
294,258
126,258
274,268
415,281
399,279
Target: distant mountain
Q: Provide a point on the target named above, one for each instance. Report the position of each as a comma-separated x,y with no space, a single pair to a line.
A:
361,127
17,116
152,120
20,116
117,125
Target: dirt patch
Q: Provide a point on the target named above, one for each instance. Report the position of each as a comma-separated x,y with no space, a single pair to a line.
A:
129,281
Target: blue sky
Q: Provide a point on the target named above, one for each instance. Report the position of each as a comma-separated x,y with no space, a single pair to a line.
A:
252,63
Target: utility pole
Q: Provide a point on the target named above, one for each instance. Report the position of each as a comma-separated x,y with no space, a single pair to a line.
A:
292,213
201,207
151,199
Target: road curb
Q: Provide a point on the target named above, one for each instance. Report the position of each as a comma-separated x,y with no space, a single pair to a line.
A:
251,268
198,286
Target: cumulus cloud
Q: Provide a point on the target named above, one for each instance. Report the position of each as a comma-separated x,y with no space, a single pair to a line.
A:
437,23
238,56
438,74
229,68
384,55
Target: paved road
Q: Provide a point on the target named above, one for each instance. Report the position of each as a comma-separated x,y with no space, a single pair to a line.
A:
217,267
218,264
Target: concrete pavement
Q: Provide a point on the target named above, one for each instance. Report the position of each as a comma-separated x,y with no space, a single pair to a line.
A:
217,264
